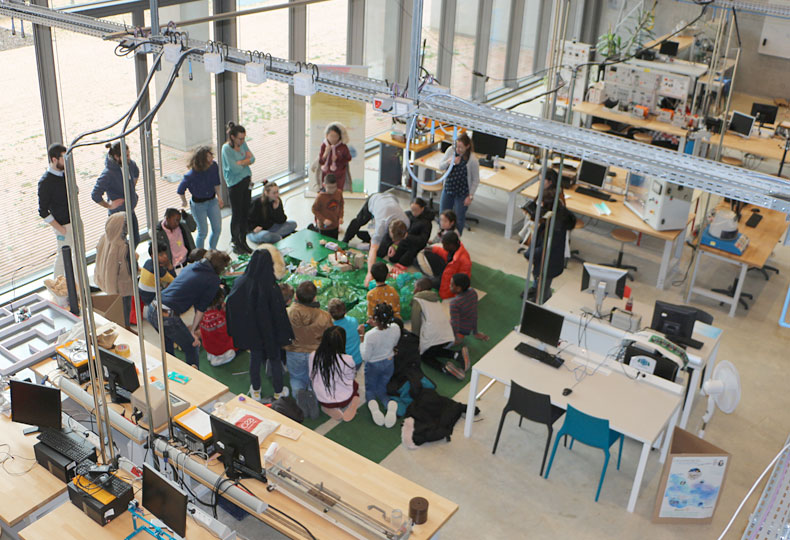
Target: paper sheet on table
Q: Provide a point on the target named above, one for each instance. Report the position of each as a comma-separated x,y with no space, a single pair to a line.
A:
152,363
434,160
486,173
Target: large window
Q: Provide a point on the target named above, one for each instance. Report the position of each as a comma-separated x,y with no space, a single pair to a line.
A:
497,45
464,47
529,35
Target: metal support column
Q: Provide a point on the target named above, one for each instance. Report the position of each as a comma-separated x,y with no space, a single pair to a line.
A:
514,31
444,66
141,73
404,18
297,117
355,36
47,81
227,85
482,42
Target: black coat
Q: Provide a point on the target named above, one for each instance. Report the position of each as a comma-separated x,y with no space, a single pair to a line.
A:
264,215
416,240
256,310
564,220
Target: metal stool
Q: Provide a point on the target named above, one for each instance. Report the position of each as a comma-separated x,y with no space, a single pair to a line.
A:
729,160
624,236
600,126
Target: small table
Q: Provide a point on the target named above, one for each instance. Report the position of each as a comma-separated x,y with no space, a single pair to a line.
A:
511,179
391,157
762,241
636,408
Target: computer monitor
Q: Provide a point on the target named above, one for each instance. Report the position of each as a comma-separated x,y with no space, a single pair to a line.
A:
119,372
764,113
669,48
489,145
240,449
741,123
591,173
35,404
541,324
674,320
603,281
164,500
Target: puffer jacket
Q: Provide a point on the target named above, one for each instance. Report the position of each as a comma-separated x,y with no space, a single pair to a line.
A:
112,273
110,182
308,324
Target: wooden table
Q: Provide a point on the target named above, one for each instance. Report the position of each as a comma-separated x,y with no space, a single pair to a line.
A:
391,157
365,475
510,178
637,408
21,495
762,241
200,390
67,522
622,216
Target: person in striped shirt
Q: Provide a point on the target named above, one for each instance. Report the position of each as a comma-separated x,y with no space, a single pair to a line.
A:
463,309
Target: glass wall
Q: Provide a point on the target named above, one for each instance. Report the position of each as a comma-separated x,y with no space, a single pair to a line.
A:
529,36
464,48
497,45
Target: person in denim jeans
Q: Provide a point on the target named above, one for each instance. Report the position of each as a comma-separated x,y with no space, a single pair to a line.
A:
176,331
378,351
268,223
308,322
202,181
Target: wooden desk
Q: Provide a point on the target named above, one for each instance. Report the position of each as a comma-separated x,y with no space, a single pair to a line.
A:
391,158
622,216
386,138
635,408
650,123
67,522
339,461
21,495
200,390
762,241
511,179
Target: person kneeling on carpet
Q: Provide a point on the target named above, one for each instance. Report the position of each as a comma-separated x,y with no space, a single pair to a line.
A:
214,332
378,351
332,374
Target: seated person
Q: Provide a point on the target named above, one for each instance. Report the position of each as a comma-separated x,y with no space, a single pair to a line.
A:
441,263
328,208
447,223
214,332
431,323
463,311
332,373
384,209
176,236
267,220
337,309
382,292
147,281
417,236
378,352
195,255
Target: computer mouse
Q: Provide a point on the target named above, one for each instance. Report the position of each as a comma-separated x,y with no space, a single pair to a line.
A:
566,391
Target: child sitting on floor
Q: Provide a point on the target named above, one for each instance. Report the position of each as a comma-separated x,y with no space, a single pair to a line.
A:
147,281
328,208
382,292
214,332
378,351
337,309
463,311
332,375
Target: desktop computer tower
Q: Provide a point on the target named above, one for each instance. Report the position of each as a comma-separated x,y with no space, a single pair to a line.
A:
659,203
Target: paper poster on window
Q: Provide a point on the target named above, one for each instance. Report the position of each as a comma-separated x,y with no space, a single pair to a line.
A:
693,487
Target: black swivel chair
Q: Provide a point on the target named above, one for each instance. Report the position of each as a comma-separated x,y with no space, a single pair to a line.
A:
532,406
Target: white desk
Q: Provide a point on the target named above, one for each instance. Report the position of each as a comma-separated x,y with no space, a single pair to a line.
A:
635,408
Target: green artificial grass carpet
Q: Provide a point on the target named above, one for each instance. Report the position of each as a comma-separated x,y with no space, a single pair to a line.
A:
497,313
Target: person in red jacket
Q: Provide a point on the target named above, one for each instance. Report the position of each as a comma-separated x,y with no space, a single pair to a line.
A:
334,155
441,263
214,333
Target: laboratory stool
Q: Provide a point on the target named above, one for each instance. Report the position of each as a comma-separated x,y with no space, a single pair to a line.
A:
643,137
600,126
624,236
729,160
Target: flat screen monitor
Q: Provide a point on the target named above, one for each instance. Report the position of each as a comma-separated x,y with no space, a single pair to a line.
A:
240,450
164,500
764,113
592,173
35,404
603,281
669,48
490,145
741,123
542,324
119,372
674,320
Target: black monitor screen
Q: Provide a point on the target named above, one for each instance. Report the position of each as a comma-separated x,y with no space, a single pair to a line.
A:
592,173
236,445
765,113
741,123
490,145
165,501
35,404
541,324
119,370
669,48
673,320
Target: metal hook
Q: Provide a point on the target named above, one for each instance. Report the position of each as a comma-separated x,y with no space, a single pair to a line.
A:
271,62
13,28
224,50
184,36
250,53
316,73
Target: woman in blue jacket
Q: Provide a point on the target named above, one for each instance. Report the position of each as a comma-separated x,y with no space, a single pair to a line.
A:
110,183
236,161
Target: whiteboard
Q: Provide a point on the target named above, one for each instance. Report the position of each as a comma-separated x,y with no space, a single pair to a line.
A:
775,39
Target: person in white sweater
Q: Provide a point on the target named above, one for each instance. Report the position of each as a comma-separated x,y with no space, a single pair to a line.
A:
378,351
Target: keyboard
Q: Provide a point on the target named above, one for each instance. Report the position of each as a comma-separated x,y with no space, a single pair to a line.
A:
67,446
540,355
754,219
593,193
688,342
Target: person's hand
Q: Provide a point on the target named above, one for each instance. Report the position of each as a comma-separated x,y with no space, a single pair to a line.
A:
257,229
457,160
196,335
361,328
391,252
115,204
248,155
481,336
220,202
327,223
368,277
468,200
60,229
341,221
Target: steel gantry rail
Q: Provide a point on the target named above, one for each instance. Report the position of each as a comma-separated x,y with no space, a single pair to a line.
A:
745,185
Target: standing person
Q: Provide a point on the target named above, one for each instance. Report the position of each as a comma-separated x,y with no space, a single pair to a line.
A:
236,161
461,184
53,203
378,352
328,208
335,155
110,183
174,234
112,273
332,375
202,181
195,287
267,219
258,321
385,209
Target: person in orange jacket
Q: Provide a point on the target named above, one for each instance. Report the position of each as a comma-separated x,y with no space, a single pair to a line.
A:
441,263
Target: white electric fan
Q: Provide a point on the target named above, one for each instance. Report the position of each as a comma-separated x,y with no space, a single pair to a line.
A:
723,390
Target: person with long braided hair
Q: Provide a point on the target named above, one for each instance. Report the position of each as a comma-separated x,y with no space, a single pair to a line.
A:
332,374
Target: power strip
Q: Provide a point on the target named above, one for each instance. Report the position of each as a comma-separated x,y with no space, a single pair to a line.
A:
215,527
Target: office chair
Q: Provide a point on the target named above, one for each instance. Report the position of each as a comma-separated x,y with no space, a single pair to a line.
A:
764,270
623,236
730,291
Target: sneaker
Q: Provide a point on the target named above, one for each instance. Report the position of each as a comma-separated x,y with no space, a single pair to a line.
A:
392,414
375,412
454,370
254,394
284,393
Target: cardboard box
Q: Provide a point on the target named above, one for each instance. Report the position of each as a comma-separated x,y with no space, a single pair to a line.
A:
692,480
109,306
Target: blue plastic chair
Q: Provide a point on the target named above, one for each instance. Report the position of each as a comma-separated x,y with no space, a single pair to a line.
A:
591,431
